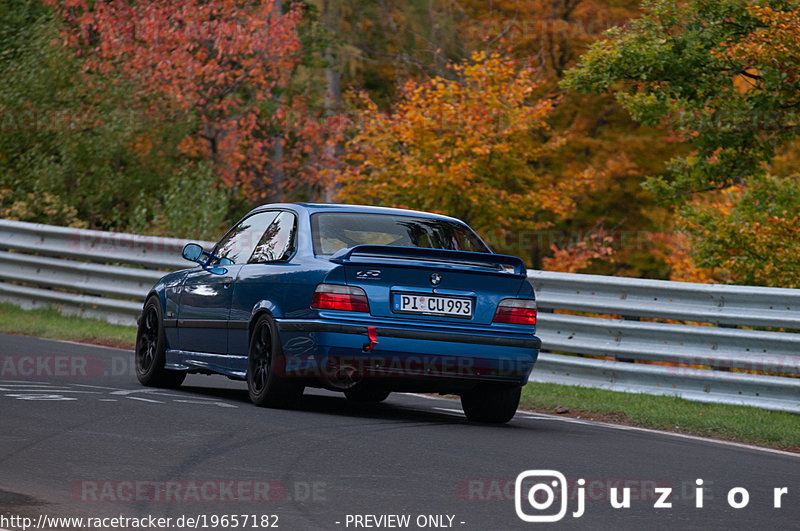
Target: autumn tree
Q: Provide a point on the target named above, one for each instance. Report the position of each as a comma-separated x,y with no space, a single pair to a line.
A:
597,134
389,42
224,66
72,149
468,147
724,75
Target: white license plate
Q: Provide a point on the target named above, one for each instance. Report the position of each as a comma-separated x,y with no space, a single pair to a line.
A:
432,305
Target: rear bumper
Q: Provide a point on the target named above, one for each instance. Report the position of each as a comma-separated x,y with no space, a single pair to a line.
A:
531,342
405,356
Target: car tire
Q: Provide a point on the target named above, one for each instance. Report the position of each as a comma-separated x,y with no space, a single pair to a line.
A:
366,394
491,404
151,348
266,385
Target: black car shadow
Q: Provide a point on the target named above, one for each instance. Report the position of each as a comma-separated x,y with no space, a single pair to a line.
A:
395,409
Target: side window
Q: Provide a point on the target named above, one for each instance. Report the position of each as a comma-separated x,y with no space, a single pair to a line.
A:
240,241
278,241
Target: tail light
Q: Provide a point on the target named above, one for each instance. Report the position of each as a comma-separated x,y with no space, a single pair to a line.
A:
338,297
516,311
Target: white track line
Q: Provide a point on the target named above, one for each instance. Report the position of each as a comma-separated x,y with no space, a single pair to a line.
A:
453,412
540,416
78,343
144,399
530,415
126,392
41,384
26,386
734,444
428,397
204,403
49,390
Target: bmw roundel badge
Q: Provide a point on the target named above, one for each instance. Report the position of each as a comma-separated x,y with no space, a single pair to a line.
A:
436,279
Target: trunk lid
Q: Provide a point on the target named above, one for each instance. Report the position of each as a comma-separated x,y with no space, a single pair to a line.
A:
435,283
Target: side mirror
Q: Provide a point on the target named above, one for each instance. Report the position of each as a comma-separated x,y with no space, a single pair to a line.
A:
192,252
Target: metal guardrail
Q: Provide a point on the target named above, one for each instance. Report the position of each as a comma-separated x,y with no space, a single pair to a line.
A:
85,272
107,275
711,326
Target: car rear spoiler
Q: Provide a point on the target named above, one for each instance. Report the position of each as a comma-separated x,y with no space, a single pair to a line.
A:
496,261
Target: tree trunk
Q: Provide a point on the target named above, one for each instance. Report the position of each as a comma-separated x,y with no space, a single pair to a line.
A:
331,15
277,177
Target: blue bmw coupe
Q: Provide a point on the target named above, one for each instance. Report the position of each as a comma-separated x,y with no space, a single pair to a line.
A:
362,300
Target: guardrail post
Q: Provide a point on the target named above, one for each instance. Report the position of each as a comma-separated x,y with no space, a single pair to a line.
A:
624,358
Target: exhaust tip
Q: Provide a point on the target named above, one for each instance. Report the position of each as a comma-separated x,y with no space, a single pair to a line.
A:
343,377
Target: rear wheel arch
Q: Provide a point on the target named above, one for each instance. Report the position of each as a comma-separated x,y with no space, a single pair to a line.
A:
254,319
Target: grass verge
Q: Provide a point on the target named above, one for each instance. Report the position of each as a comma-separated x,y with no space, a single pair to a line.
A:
744,424
751,425
49,323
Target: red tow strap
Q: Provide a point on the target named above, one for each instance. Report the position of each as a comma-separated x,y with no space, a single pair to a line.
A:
372,334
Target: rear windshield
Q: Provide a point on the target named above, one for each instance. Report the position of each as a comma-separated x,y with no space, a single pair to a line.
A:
332,231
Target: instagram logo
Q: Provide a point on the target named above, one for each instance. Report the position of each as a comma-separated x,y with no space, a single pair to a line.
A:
534,495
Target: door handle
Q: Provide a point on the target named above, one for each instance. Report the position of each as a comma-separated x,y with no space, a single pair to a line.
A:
227,283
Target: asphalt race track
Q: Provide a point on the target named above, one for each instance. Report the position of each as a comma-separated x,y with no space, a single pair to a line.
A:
80,437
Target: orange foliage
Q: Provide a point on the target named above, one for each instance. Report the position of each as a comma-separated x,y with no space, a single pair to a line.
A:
598,245
674,249
756,239
467,146
773,45
600,142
